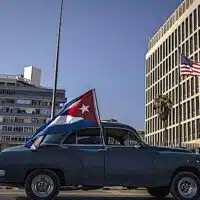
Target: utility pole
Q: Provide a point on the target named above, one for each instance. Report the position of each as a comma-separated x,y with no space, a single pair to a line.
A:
179,97
56,63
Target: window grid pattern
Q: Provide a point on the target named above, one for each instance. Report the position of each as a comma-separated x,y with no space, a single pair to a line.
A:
162,78
170,22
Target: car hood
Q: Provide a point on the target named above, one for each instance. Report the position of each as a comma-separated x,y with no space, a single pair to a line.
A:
168,149
16,148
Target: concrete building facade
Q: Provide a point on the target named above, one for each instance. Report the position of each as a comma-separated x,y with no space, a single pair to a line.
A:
182,29
24,106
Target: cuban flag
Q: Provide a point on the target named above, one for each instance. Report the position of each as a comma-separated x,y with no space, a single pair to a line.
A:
78,113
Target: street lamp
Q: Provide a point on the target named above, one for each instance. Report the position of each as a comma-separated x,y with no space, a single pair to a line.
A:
56,63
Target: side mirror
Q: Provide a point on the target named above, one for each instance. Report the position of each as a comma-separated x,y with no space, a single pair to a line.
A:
34,148
137,146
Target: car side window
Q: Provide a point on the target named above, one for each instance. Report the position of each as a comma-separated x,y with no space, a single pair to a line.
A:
70,139
54,138
130,139
121,137
84,137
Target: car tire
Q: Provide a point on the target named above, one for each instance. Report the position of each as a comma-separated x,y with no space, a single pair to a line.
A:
42,185
185,186
158,192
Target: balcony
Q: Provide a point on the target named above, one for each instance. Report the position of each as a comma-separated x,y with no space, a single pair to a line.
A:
24,114
32,97
26,105
16,133
21,124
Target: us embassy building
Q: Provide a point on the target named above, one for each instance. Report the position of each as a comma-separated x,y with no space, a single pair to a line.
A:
182,30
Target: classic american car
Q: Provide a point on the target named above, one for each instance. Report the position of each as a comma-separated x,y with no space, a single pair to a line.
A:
88,157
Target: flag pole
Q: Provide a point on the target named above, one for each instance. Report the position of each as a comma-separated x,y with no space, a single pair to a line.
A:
98,117
179,96
56,64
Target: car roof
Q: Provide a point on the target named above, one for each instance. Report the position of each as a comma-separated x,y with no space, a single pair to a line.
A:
116,125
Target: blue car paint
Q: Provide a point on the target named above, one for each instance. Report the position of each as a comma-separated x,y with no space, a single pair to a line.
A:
146,166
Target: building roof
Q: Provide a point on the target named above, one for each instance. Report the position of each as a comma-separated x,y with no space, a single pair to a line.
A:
23,82
175,16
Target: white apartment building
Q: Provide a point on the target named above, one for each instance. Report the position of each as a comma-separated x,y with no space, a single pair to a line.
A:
182,29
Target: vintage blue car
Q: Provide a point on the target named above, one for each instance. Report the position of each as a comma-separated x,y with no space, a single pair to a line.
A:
118,157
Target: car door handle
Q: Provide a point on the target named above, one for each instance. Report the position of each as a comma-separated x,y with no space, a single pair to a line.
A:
102,149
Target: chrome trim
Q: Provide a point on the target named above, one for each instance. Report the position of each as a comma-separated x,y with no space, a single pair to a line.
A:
42,186
187,187
80,145
2,173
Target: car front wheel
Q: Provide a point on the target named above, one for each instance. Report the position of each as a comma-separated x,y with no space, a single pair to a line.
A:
158,192
42,185
185,185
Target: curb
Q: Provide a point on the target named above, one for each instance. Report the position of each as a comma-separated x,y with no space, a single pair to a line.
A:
105,188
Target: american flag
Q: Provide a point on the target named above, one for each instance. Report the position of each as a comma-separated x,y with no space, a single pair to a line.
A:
189,67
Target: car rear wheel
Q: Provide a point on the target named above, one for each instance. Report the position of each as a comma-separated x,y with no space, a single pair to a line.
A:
185,186
42,185
158,192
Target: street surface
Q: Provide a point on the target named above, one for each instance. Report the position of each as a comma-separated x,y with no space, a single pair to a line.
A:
83,195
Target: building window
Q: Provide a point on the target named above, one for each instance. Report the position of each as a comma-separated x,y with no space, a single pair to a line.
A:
191,45
199,37
192,86
189,131
193,130
193,110
198,128
188,88
181,112
183,32
167,85
197,106
177,134
186,27
176,43
195,42
199,14
184,91
195,19
183,49
185,132
23,101
196,58
10,84
187,48
190,23
184,111
188,109
179,35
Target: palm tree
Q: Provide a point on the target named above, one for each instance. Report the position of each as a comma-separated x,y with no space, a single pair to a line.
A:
163,105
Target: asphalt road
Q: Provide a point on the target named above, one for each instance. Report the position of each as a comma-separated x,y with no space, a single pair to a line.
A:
85,195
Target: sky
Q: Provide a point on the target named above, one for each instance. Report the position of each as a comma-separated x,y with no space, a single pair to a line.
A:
103,46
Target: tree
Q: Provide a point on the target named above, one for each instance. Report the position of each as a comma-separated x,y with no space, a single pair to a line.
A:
163,105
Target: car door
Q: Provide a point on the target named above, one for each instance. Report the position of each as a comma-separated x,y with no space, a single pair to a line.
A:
89,153
127,162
